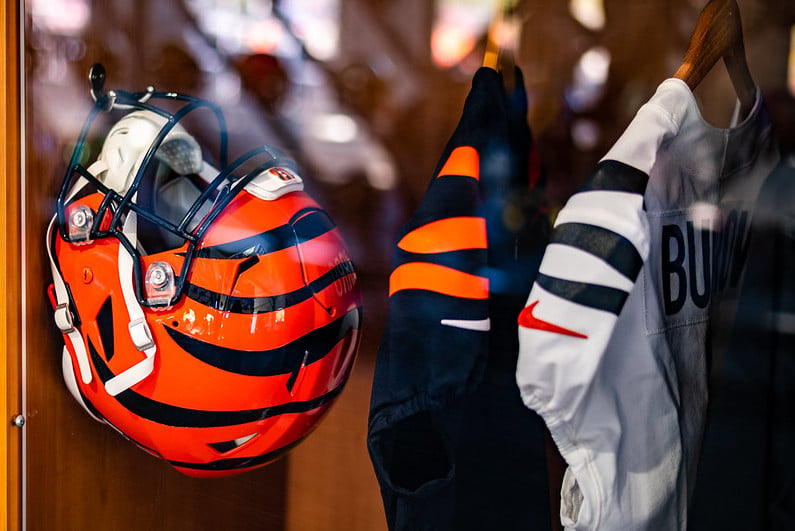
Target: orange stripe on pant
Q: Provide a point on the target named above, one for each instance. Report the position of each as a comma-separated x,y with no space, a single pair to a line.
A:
440,279
450,234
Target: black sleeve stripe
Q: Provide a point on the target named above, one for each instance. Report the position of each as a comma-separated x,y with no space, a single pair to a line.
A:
591,295
610,246
611,175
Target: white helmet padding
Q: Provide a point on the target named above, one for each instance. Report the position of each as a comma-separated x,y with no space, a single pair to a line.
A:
129,140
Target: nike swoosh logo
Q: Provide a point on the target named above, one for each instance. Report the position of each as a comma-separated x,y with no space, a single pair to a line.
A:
528,320
480,325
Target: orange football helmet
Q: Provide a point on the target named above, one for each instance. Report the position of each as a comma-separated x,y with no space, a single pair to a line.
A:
210,315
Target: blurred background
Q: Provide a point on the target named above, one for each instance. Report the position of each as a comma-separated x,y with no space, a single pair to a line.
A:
364,95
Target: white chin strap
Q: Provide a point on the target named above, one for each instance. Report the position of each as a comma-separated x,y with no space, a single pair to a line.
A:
63,316
139,329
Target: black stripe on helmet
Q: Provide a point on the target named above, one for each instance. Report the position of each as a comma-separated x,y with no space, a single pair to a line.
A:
309,225
176,416
237,463
254,305
287,359
105,327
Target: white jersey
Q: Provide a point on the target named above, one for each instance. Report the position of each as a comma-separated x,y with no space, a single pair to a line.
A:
616,339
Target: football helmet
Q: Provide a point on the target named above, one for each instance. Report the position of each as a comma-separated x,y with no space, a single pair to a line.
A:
210,309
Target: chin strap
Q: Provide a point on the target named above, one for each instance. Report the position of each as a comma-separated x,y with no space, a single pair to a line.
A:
63,314
138,328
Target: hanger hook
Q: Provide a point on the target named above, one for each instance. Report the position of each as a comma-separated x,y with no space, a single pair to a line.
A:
96,85
96,81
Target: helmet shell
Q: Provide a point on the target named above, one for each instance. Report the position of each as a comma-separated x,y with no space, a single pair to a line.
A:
250,357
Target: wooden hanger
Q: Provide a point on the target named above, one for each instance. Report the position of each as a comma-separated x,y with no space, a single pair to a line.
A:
502,40
719,33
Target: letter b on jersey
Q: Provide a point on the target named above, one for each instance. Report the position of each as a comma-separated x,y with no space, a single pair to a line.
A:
674,277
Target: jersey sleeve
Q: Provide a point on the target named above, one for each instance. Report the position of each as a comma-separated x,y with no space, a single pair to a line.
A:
598,247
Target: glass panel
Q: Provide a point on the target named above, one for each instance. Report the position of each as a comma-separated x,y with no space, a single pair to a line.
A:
362,96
